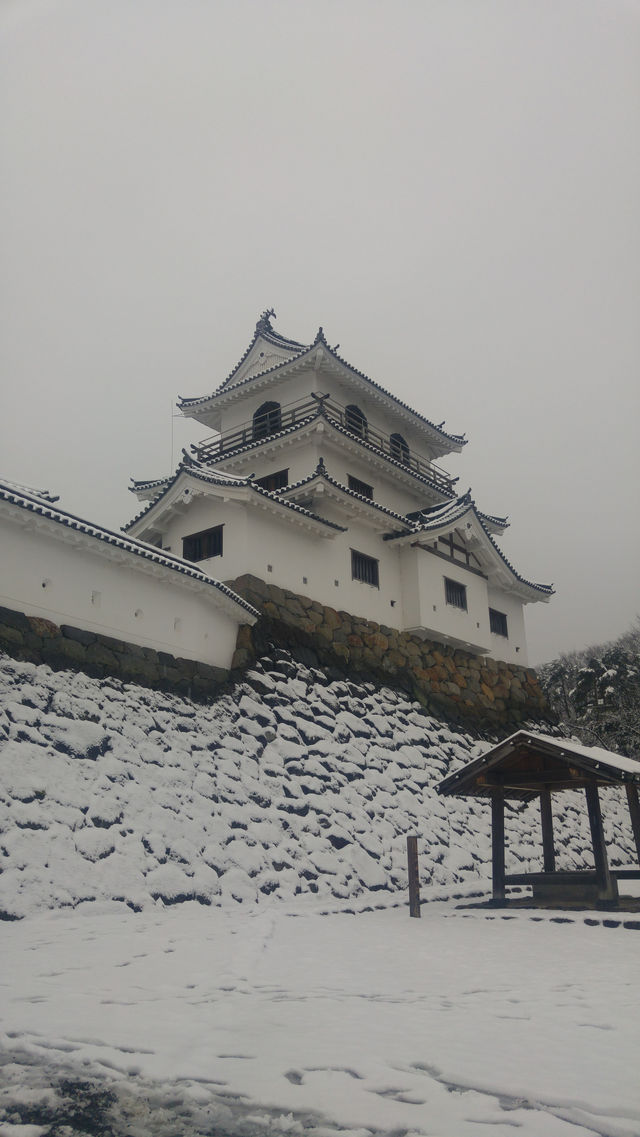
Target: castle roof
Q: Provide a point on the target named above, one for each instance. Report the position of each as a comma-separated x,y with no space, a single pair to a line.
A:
293,354
441,520
191,470
39,507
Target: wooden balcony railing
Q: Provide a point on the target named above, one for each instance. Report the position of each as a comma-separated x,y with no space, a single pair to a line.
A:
276,419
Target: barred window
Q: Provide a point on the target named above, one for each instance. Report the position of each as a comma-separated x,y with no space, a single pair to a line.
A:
498,623
364,568
455,593
201,546
363,488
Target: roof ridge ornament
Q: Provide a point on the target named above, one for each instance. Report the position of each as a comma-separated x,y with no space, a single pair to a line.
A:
321,468
320,337
264,321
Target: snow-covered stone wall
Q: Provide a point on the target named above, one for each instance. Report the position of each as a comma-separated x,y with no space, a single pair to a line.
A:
290,784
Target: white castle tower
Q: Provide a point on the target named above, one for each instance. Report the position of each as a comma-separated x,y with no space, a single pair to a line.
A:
318,480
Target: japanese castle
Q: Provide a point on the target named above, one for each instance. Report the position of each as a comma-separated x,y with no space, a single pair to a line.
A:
316,479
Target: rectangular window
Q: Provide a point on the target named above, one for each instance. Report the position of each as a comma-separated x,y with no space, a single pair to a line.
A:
360,487
498,623
455,593
364,568
275,481
201,546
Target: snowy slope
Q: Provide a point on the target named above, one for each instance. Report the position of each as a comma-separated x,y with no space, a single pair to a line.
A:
291,784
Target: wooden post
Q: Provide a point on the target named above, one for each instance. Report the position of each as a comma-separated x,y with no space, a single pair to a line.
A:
546,817
634,810
414,876
607,887
497,845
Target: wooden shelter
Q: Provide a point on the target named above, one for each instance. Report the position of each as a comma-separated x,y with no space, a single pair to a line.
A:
528,765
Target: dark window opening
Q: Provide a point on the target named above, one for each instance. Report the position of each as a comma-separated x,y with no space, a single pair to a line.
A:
267,420
274,481
355,420
364,568
399,449
201,546
455,593
360,487
498,623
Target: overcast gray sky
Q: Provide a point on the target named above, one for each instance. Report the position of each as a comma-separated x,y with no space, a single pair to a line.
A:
450,188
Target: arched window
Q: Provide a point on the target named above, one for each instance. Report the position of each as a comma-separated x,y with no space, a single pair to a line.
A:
267,420
399,449
355,420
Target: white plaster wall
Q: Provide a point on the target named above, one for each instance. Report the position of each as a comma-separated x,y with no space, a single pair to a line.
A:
514,648
278,551
425,606
43,573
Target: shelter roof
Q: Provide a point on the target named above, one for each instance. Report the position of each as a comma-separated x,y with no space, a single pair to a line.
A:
191,469
36,506
296,353
526,763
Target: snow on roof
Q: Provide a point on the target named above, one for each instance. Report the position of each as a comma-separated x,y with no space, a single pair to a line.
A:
440,514
195,470
299,351
20,487
594,760
39,507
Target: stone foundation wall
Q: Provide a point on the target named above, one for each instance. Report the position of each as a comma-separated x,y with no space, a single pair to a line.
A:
462,685
38,640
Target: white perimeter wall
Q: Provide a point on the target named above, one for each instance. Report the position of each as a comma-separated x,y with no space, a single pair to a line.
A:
44,573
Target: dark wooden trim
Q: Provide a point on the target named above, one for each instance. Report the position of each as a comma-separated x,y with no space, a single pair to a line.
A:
497,845
546,819
606,886
578,876
634,811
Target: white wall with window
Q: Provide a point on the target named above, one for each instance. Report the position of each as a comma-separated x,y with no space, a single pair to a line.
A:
512,647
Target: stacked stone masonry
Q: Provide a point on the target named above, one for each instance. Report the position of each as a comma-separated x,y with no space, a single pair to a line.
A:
37,640
463,685
458,684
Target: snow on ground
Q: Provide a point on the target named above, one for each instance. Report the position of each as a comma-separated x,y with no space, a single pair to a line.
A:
206,930
291,784
277,1019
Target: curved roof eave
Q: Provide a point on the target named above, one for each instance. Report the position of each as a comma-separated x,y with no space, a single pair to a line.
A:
234,482
447,518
